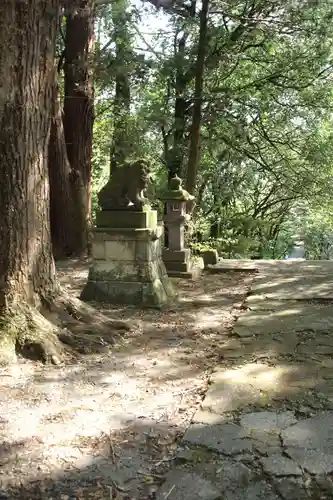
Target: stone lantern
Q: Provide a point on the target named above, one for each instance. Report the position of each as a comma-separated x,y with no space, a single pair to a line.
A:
176,257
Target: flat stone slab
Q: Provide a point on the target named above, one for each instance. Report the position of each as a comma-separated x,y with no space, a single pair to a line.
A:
207,417
264,428
236,388
231,474
310,443
262,303
300,267
279,465
230,396
291,488
311,433
229,439
268,421
284,286
226,265
183,486
314,267
285,317
313,461
259,490
229,391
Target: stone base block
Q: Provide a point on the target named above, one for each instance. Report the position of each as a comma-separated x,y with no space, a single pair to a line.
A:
127,219
154,294
119,293
176,255
210,257
181,267
127,268
189,269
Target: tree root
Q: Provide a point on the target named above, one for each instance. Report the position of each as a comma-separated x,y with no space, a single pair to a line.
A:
26,331
62,330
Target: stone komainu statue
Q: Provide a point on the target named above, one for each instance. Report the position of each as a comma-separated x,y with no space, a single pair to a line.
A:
125,188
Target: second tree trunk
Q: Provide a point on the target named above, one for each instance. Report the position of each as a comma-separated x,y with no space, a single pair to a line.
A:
78,117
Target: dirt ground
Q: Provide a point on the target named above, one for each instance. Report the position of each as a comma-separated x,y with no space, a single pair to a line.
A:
107,426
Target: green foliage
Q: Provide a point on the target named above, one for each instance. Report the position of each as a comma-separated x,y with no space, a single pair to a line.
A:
266,140
314,225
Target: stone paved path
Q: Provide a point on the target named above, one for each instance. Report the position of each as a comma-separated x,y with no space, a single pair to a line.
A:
265,427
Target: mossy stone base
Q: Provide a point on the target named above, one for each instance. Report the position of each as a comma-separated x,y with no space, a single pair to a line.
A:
132,293
127,219
180,264
127,268
210,257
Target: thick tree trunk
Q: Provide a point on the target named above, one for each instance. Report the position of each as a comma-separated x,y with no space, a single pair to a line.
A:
121,138
121,143
194,151
27,271
79,116
176,154
175,157
61,200
26,263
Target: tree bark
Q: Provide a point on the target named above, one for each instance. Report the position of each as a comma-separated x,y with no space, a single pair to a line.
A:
194,149
79,117
27,271
29,289
121,135
61,200
176,155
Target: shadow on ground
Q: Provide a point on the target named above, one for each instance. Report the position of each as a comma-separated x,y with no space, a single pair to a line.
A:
112,421
234,464
117,466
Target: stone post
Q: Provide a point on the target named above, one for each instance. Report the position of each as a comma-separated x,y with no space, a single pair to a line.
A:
127,265
176,257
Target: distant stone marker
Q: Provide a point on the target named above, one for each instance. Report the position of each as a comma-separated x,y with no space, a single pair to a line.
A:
177,258
210,257
298,251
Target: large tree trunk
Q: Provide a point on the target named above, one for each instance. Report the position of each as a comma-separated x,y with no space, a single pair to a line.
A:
79,116
176,155
27,271
194,151
61,200
121,143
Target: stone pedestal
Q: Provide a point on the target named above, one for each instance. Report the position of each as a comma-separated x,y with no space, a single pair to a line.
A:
127,263
176,257
177,260
210,257
182,265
